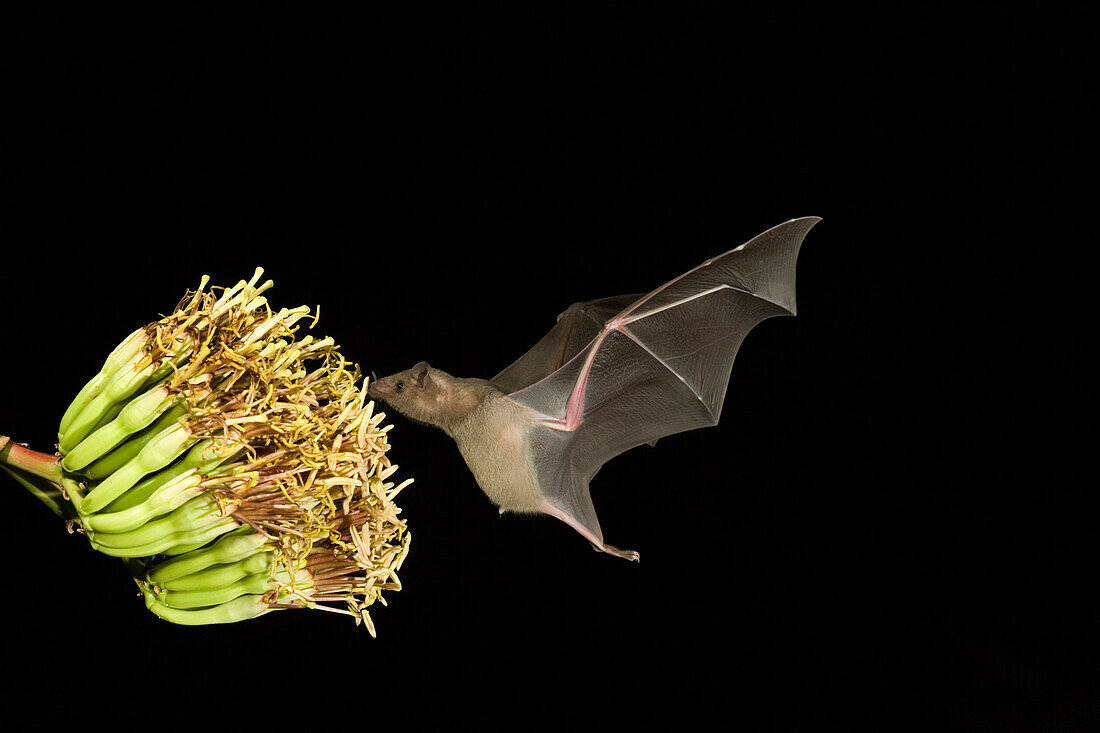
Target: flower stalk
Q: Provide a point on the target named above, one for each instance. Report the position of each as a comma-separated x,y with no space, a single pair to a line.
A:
39,473
29,461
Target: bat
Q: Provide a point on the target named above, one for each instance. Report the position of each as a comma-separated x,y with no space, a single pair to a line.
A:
612,374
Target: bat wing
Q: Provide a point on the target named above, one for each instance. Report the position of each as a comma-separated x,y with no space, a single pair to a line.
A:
625,371
574,330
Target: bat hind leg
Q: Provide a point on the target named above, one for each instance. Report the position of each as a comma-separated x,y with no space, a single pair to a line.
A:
631,555
596,541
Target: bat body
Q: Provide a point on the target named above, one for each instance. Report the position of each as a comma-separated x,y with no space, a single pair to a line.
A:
611,374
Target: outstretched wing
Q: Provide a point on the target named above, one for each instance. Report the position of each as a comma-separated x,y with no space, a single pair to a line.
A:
659,365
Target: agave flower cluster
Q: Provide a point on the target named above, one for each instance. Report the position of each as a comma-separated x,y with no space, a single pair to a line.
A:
238,466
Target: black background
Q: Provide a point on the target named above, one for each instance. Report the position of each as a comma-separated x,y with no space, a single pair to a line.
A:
874,536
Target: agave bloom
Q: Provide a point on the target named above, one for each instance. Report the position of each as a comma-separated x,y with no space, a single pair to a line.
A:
237,466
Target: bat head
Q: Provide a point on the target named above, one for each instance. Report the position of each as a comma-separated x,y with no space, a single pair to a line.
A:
415,392
428,395
399,388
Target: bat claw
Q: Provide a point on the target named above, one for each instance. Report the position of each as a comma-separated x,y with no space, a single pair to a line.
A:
594,538
612,550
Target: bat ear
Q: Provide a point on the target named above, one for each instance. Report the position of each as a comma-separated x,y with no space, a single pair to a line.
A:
420,374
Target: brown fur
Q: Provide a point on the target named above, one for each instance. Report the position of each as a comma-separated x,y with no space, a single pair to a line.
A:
491,431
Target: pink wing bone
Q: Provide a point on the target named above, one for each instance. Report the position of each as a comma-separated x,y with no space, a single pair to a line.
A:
573,332
575,408
619,323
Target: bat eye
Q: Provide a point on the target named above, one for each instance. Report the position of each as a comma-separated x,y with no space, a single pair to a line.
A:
400,386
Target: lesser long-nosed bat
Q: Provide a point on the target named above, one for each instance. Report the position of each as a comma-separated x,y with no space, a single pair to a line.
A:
612,374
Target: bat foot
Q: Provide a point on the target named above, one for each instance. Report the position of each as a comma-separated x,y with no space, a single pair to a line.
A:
594,538
612,550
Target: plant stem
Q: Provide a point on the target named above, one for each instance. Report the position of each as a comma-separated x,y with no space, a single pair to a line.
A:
39,473
33,462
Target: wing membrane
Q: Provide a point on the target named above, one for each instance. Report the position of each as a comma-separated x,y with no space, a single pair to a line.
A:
574,330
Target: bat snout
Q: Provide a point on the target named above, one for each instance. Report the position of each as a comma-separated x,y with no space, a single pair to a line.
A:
379,389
